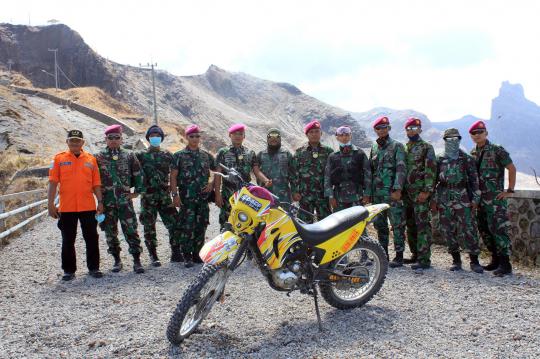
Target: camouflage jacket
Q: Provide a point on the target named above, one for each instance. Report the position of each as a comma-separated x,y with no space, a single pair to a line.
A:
388,168
240,158
277,167
421,166
193,171
309,164
119,172
347,175
456,180
155,165
491,160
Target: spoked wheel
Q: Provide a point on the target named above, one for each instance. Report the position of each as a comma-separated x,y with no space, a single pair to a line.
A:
367,262
196,302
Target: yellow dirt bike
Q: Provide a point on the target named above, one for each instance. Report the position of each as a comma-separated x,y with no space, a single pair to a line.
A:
334,256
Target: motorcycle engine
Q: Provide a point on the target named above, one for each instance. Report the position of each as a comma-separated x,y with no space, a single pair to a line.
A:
286,278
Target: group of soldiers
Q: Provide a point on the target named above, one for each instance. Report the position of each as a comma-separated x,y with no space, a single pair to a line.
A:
466,190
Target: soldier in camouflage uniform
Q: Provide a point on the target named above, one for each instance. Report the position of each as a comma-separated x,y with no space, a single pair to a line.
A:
491,160
243,160
457,197
155,163
421,167
191,189
120,171
388,170
276,164
347,173
309,163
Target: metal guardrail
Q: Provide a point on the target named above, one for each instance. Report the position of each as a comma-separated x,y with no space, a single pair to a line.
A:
4,215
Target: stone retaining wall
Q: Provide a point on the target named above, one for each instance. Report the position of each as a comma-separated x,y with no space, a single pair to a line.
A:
524,227
524,215
99,116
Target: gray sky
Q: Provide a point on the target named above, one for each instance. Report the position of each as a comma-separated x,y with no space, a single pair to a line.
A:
444,58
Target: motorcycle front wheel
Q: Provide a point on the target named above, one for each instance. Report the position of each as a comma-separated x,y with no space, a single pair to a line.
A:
196,302
367,260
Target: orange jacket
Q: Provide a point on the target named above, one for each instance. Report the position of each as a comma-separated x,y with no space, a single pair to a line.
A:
77,177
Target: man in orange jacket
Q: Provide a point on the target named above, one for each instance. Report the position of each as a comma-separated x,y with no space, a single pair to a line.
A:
77,173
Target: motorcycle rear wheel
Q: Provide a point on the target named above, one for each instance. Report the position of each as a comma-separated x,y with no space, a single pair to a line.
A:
368,260
196,302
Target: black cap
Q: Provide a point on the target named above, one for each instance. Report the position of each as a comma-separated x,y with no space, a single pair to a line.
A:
155,129
75,134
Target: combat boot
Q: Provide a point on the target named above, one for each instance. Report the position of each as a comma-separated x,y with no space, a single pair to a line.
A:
137,266
117,266
475,265
494,264
413,259
505,267
153,257
176,254
456,262
188,260
397,261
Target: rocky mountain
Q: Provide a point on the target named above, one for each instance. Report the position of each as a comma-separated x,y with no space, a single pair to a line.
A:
214,100
397,120
514,124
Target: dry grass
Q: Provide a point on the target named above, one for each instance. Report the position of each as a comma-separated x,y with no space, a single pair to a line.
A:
10,163
97,99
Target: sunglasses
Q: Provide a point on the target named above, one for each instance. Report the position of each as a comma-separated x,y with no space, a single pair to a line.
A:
274,135
194,136
114,137
477,132
382,127
412,128
452,138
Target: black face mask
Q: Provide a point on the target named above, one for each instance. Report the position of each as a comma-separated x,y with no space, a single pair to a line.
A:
414,138
274,148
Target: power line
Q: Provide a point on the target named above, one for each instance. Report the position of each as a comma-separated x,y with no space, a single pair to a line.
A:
67,78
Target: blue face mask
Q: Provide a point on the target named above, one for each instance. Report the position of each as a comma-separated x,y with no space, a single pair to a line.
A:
342,145
100,217
155,141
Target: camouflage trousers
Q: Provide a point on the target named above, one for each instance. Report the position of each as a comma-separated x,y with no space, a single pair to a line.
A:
396,214
457,226
195,216
151,205
345,205
125,213
418,223
493,226
313,204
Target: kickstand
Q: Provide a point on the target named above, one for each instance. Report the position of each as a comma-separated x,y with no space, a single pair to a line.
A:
315,298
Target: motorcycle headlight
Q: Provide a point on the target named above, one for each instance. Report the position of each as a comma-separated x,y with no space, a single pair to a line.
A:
242,217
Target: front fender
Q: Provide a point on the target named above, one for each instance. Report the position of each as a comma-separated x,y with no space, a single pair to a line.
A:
220,248
375,209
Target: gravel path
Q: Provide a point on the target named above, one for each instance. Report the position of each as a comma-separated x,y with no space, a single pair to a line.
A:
438,314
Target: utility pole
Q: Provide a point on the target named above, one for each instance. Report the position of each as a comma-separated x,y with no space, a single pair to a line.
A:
151,67
55,69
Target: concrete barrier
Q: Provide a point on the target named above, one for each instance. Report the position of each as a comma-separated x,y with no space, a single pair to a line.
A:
90,112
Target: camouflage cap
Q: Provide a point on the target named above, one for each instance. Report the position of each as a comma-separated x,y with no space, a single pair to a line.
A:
451,132
274,130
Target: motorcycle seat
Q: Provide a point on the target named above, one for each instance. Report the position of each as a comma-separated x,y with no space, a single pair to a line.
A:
332,225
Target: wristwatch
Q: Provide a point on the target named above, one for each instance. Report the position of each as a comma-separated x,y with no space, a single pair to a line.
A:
509,190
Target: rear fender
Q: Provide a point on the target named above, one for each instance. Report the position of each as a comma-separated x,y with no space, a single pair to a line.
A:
375,209
220,248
